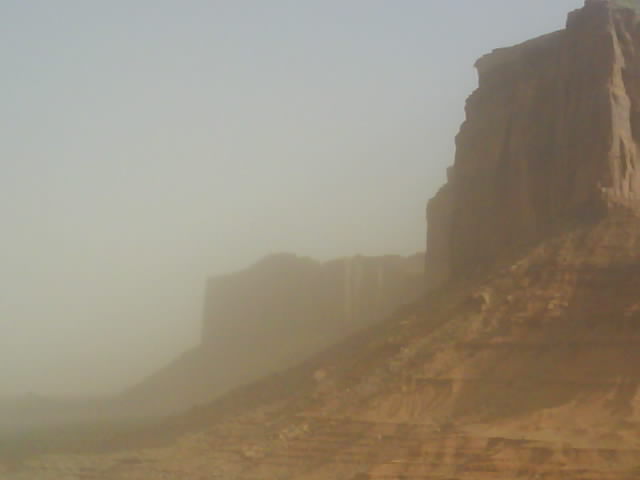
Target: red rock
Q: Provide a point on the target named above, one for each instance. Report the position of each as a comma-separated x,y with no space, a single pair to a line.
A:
550,138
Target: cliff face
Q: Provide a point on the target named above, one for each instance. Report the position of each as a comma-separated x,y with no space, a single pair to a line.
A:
285,308
551,137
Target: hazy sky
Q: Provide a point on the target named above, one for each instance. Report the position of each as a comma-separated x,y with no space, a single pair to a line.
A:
147,144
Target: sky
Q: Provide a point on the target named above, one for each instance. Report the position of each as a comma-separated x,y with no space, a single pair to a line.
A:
148,144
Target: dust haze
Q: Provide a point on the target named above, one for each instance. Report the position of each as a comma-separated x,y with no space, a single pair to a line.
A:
148,146
320,239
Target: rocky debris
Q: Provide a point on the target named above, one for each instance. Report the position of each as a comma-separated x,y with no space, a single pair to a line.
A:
633,311
320,375
480,299
252,452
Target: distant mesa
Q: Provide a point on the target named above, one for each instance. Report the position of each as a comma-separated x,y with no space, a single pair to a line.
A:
275,314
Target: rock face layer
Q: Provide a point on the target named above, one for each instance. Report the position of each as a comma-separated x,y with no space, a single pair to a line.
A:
551,136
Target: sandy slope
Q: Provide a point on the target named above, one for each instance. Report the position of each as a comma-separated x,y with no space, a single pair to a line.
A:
531,371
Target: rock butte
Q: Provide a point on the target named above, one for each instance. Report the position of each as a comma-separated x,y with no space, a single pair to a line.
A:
523,360
550,138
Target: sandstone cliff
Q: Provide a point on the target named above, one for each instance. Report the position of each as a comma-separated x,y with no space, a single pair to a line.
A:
551,137
293,304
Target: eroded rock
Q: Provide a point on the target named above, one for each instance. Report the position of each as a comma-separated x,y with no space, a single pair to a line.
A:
550,139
